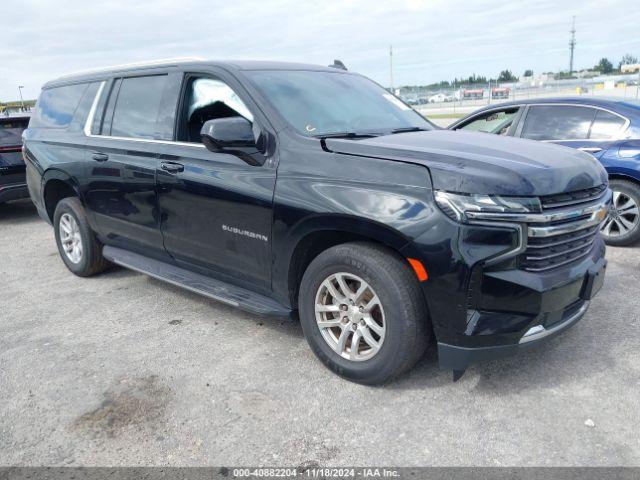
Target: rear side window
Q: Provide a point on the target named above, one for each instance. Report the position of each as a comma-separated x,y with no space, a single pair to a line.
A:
56,106
606,125
558,122
136,106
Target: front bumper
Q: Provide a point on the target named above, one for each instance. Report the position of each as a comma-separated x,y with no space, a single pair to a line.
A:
486,304
486,343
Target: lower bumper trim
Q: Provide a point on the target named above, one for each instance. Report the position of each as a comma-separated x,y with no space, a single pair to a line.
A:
539,332
454,357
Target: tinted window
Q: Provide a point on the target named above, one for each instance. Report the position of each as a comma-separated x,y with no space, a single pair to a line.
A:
606,125
494,122
557,122
56,106
11,131
137,106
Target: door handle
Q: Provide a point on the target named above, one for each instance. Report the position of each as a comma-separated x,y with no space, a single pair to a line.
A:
171,167
590,149
100,157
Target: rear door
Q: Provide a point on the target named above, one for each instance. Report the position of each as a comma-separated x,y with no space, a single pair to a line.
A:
122,154
216,207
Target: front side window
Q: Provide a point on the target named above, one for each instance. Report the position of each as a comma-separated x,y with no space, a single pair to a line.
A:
493,122
606,125
318,102
208,99
56,106
136,106
558,122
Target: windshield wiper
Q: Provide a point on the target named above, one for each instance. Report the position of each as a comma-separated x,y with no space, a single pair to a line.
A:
408,129
346,135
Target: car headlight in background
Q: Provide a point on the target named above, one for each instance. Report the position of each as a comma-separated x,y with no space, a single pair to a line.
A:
457,205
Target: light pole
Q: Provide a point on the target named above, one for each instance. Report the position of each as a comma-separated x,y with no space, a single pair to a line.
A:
20,87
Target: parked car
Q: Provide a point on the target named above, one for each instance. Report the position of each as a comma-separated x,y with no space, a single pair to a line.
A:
438,98
609,129
13,185
295,190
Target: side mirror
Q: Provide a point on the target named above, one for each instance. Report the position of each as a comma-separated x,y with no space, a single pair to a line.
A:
227,133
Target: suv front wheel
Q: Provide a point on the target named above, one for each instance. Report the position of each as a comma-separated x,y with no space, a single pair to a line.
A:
78,246
363,313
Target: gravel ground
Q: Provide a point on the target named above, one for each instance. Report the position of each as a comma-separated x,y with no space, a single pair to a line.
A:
122,369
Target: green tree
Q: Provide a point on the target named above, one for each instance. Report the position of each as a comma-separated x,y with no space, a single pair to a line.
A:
507,76
628,59
604,66
528,73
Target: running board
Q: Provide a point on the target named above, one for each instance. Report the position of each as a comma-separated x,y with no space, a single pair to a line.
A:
207,286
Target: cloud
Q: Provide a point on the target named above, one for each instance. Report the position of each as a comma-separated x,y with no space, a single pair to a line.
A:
432,40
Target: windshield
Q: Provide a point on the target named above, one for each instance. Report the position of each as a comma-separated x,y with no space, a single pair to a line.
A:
318,103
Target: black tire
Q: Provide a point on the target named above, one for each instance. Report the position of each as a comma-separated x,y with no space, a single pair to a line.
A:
92,261
406,315
632,191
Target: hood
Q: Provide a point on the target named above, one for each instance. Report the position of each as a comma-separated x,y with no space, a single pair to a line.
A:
482,163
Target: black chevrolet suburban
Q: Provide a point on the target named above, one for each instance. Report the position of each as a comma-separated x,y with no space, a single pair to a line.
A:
302,191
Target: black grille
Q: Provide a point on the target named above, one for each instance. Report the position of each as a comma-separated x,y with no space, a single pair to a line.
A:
546,253
560,200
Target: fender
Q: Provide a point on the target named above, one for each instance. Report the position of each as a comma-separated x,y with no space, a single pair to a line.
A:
316,233
57,175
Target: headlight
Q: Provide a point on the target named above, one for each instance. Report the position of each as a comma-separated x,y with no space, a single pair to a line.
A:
456,205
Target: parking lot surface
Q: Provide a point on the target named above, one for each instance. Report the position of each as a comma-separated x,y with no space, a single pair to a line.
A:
121,369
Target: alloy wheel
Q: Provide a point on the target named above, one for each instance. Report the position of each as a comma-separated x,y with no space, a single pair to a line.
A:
70,238
350,316
624,216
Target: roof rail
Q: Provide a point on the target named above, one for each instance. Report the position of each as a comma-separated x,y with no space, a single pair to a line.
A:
124,66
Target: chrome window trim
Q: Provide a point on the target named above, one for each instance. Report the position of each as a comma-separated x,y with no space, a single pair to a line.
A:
92,112
618,136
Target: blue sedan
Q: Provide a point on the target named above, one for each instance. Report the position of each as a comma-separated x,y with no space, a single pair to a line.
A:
607,128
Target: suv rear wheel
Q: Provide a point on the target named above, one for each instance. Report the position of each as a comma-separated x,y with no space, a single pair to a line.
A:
622,226
78,246
363,313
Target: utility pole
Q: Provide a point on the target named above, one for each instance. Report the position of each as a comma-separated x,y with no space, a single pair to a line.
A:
20,87
572,44
391,67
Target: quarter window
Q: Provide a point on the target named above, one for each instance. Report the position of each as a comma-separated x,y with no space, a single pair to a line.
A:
56,106
137,105
606,125
558,122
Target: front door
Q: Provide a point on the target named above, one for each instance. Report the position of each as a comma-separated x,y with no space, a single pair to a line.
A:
216,209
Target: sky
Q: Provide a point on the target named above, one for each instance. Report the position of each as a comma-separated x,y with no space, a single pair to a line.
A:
432,40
